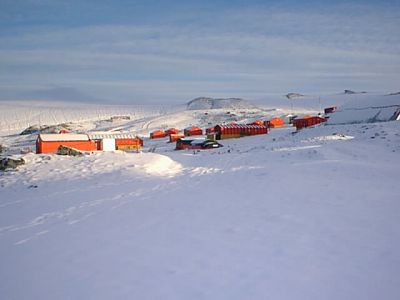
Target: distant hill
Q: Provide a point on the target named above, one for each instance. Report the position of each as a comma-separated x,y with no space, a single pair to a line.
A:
215,103
294,95
350,92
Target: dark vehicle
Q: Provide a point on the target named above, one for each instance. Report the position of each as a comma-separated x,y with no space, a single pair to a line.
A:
182,144
210,145
196,144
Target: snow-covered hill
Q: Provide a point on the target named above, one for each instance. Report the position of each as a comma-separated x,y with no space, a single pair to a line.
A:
307,215
16,116
215,103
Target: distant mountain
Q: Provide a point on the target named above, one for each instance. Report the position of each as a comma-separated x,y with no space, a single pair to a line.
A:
215,103
350,92
393,94
293,95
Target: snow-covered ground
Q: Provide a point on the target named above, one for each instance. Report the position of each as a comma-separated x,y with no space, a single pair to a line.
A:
307,215
15,116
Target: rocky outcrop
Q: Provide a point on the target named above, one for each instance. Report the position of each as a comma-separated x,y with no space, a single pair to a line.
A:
10,163
64,150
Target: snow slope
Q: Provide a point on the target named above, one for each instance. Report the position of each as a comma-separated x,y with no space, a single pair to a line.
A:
367,109
15,116
307,215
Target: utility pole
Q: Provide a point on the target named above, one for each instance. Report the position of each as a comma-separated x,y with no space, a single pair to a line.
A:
291,106
319,103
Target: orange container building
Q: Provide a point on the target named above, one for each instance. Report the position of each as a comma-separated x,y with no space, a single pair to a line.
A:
127,144
276,123
210,130
175,137
236,131
308,121
49,143
193,131
124,141
171,131
158,134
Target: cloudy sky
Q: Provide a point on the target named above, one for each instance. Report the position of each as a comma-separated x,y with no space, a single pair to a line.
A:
149,51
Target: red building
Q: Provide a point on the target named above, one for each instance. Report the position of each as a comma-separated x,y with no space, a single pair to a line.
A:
275,123
330,110
175,137
193,131
49,143
158,134
237,130
307,121
171,131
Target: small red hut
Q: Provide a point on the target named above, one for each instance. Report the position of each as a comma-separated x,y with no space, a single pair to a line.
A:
171,131
175,137
194,130
158,134
330,110
276,123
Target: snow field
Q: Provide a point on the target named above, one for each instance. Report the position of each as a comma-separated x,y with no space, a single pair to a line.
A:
306,215
311,215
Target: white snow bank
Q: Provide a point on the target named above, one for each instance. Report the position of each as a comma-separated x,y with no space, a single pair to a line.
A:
367,109
334,137
56,167
159,165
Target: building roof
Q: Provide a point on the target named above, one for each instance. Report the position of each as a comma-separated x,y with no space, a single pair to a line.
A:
241,126
63,137
111,135
192,128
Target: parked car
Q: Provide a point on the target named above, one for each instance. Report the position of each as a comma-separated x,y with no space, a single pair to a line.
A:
199,144
210,145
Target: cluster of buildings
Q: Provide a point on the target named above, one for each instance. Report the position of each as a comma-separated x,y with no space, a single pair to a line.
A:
109,141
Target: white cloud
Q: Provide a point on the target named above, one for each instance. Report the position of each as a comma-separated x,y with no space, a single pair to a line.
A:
246,53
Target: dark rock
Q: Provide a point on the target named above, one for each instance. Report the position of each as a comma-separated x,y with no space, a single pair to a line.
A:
34,129
64,150
119,118
10,163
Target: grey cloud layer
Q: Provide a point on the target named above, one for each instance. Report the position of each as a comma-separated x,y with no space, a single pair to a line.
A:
241,54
